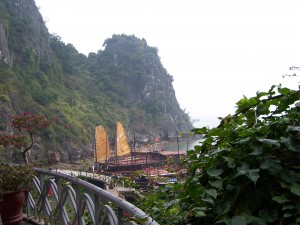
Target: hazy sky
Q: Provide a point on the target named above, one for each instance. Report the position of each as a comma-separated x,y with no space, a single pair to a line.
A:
216,50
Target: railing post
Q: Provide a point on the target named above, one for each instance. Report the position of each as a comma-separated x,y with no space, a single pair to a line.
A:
60,207
120,215
77,191
96,200
81,192
28,212
42,178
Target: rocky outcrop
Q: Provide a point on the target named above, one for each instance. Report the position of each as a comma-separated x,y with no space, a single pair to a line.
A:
5,54
147,83
26,31
126,81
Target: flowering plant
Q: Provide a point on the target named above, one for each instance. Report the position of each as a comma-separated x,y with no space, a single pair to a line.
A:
13,178
26,124
15,140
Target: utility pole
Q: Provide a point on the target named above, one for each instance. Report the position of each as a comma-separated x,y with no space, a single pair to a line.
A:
177,143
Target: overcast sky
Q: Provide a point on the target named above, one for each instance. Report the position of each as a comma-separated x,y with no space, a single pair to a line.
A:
216,50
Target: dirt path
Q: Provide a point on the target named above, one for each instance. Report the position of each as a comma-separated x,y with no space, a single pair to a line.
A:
80,165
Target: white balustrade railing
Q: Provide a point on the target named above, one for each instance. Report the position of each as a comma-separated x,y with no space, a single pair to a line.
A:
58,198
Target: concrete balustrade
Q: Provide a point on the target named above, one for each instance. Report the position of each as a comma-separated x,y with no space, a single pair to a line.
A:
59,198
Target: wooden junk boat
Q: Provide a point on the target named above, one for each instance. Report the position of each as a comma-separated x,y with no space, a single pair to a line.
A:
125,159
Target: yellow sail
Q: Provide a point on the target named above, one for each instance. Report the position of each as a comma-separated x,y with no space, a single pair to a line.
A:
122,143
102,149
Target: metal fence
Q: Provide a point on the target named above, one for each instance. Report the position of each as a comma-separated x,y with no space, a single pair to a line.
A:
58,198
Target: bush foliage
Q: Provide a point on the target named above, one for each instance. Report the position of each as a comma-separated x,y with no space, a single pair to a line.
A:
246,170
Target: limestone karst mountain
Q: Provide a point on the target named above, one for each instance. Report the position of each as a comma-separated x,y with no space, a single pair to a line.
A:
123,82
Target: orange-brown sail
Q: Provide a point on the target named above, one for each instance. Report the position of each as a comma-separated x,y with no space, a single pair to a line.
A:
122,143
102,149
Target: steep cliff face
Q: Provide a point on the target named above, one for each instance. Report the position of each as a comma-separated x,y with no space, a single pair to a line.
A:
5,54
137,68
124,82
22,31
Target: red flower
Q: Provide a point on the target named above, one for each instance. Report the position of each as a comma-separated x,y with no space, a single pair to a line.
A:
27,123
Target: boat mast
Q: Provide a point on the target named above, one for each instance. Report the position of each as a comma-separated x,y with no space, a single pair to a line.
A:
95,148
133,147
116,148
134,140
106,140
177,143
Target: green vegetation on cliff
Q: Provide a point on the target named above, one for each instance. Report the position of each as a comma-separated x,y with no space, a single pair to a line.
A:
41,74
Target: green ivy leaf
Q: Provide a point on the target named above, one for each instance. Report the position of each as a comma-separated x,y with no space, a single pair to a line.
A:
202,130
224,207
268,215
200,214
244,166
251,117
287,207
262,109
155,209
257,151
243,141
224,133
207,140
216,184
196,192
212,192
295,189
293,128
172,203
265,164
280,199
216,152
271,91
242,103
199,211
208,199
214,172
287,215
269,142
214,132
284,91
252,101
200,208
230,161
253,175
271,164
261,94
289,176
254,220
238,220
291,144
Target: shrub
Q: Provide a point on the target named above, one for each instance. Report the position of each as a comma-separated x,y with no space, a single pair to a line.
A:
246,170
26,125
